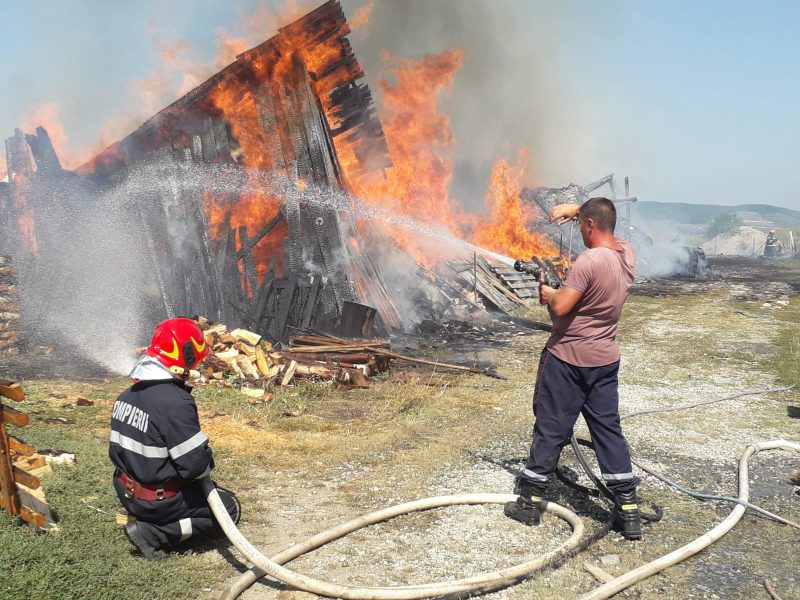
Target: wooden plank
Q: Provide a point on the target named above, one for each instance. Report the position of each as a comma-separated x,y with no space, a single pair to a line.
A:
525,286
32,517
13,416
26,478
11,390
284,308
269,226
354,347
438,364
310,305
349,357
17,446
288,374
8,489
248,262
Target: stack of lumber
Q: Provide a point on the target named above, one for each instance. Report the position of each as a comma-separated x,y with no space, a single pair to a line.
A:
9,308
478,278
21,467
525,286
242,358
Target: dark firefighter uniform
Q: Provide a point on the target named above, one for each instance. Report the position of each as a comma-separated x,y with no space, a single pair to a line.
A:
159,453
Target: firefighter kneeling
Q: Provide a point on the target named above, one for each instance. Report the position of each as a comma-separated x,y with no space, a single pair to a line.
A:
157,447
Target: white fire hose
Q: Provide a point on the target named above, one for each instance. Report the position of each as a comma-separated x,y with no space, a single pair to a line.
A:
479,583
616,585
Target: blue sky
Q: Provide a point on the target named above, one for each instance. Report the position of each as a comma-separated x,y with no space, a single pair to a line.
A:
694,101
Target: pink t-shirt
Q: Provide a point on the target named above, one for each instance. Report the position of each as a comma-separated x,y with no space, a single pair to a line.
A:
587,336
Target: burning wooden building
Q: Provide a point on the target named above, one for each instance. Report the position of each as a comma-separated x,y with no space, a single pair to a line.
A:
263,245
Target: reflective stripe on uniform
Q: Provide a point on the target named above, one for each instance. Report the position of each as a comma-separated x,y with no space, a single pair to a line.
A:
186,529
535,476
184,447
137,447
617,476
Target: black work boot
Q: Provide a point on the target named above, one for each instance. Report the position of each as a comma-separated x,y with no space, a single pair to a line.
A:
529,505
627,519
134,534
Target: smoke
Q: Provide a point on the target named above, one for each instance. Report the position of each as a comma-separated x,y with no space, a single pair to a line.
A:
49,116
103,276
663,252
507,94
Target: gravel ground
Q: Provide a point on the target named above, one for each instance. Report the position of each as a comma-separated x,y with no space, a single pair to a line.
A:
672,356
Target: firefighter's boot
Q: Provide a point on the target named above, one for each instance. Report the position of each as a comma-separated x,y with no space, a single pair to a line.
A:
529,505
627,519
135,534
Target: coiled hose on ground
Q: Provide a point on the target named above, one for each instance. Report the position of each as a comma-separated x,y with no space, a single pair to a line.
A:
490,581
479,583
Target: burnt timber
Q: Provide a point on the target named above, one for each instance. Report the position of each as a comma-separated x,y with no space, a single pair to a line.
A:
294,270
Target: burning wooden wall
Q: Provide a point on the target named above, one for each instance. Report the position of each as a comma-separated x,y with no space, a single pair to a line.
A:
267,253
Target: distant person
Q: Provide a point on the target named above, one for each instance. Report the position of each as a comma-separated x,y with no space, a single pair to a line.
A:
773,246
579,365
158,449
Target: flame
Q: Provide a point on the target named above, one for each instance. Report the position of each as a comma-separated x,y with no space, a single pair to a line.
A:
507,230
237,106
420,142
48,115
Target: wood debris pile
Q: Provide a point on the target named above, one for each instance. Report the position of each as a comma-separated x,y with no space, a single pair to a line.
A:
244,359
479,284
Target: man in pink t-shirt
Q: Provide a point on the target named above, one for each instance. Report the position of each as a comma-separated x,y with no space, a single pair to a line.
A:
579,365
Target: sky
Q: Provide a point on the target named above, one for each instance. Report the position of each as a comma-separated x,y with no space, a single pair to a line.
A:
693,101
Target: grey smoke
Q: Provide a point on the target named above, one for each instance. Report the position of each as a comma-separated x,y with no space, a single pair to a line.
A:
507,94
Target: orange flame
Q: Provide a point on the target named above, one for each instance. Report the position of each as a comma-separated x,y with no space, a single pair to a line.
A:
251,210
49,116
508,228
420,142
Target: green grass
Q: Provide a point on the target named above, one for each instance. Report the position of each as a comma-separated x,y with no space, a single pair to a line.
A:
89,557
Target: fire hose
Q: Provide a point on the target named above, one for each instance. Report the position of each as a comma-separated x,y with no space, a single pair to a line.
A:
479,583
497,579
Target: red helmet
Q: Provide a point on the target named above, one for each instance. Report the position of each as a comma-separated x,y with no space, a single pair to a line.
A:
178,344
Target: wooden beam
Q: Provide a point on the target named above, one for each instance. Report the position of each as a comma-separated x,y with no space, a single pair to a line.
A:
17,446
248,262
31,516
26,478
15,417
270,225
11,390
8,488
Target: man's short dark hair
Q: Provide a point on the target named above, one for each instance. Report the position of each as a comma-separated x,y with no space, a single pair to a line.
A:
602,211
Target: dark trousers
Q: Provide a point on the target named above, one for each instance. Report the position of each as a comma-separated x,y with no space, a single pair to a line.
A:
562,392
168,522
